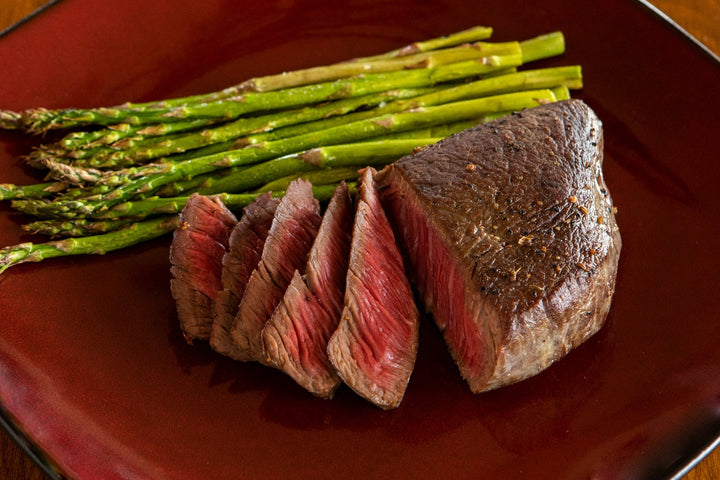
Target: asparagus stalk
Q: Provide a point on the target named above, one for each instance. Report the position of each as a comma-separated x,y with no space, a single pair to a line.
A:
97,244
379,65
234,179
124,131
194,184
149,178
76,175
143,151
542,46
40,120
441,131
570,76
10,120
321,176
470,35
78,227
290,79
142,209
511,82
128,235
355,155
208,181
39,190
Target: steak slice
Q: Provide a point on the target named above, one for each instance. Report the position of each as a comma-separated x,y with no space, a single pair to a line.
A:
196,253
244,250
375,344
291,235
296,336
510,232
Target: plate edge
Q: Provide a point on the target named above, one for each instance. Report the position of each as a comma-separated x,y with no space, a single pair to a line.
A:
30,16
663,16
28,447
689,462
39,458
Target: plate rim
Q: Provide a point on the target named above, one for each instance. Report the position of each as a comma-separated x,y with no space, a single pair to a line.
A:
36,454
697,453
30,16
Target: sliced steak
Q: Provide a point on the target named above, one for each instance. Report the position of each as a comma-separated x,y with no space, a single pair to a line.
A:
291,235
296,336
375,344
244,250
511,236
196,256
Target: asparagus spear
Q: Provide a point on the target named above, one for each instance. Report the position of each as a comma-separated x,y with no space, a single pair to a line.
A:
198,182
348,69
235,179
531,79
78,227
116,132
470,35
542,46
355,155
97,244
141,209
10,120
143,151
76,175
298,124
510,82
39,190
441,131
536,48
128,235
321,176
149,178
40,120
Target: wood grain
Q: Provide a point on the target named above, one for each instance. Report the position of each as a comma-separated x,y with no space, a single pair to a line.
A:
701,18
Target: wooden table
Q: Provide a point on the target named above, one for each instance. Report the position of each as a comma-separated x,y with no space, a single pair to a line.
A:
701,18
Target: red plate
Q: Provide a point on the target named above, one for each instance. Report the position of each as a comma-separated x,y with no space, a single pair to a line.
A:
93,368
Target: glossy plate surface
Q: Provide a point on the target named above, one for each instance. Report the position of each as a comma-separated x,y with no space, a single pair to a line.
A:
92,364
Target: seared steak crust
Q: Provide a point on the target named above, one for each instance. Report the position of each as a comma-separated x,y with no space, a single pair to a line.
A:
196,262
511,236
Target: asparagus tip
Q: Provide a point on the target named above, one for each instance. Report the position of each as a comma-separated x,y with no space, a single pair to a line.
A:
10,120
10,256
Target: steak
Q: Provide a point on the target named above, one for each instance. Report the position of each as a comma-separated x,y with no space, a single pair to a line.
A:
293,230
244,250
296,336
375,345
196,254
511,239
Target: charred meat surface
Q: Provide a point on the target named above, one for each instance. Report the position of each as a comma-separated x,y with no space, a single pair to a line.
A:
245,247
511,236
293,230
296,336
196,254
375,345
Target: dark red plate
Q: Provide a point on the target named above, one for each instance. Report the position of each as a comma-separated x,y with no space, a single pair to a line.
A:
93,368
